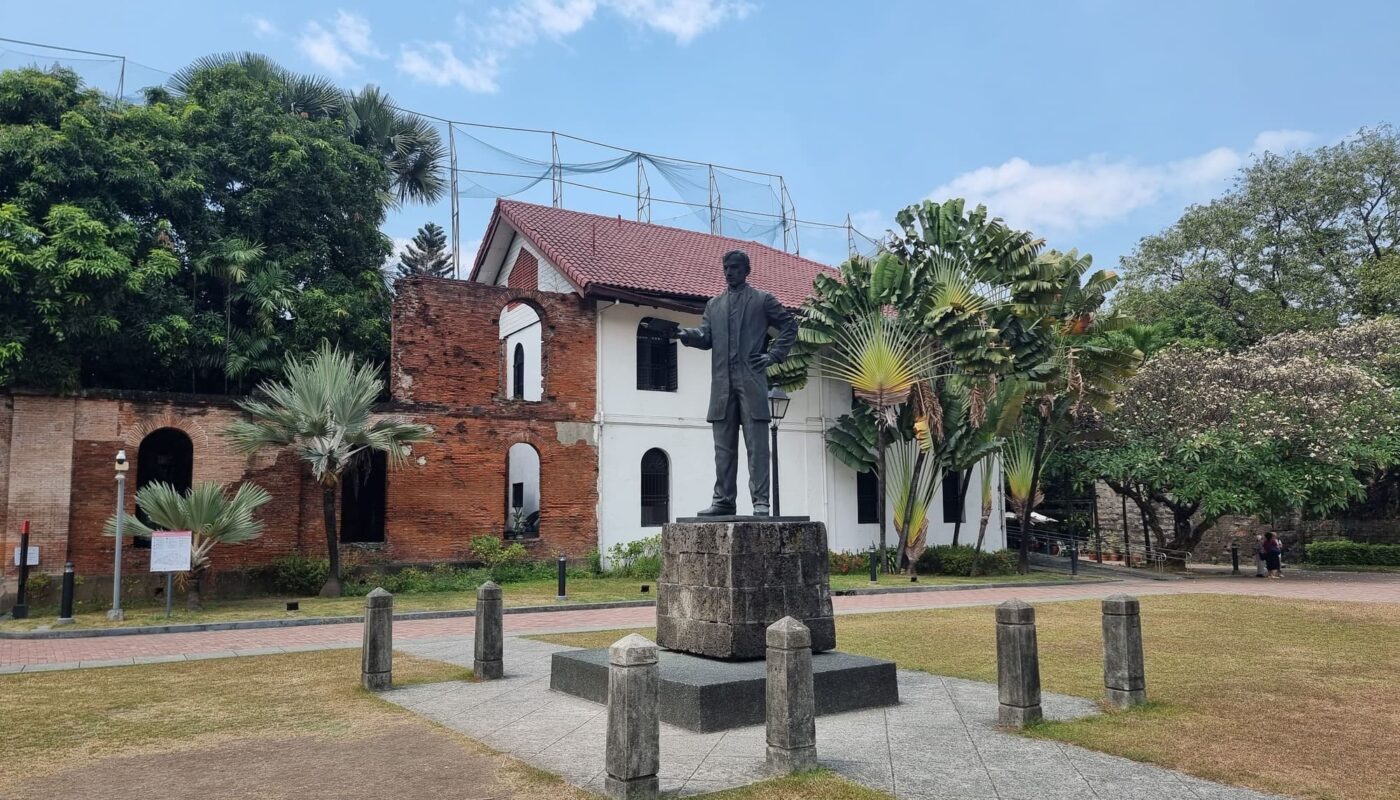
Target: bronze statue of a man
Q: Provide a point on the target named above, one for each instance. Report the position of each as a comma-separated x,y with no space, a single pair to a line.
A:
734,329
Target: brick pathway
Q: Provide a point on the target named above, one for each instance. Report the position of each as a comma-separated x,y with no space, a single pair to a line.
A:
37,654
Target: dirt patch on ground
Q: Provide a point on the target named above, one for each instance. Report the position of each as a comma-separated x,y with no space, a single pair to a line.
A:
404,762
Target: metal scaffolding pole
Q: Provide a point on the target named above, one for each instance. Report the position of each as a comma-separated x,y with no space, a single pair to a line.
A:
556,171
850,238
643,192
714,202
789,217
456,205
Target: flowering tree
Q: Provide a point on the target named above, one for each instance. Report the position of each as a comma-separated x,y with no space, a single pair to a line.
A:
1299,421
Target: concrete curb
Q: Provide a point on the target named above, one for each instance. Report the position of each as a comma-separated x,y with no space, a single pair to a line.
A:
962,587
255,624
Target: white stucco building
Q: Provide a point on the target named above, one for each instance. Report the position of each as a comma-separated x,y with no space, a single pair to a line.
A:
654,447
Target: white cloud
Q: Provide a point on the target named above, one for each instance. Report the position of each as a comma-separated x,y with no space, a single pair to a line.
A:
1282,141
263,28
1090,192
504,29
353,31
335,49
437,63
683,19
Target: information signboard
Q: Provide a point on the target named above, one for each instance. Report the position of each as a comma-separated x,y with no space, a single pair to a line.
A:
33,558
170,551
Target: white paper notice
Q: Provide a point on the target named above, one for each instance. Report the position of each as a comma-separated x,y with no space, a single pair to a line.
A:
170,551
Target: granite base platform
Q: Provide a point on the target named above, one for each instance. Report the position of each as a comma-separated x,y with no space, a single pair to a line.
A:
705,694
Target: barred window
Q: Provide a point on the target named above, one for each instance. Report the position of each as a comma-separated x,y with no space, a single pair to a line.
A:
867,497
656,488
953,497
656,360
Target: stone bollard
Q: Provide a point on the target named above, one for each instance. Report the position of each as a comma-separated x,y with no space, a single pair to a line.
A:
1124,677
634,720
377,652
490,633
791,702
1018,665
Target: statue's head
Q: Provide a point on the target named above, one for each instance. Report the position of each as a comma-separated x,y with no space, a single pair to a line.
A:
736,268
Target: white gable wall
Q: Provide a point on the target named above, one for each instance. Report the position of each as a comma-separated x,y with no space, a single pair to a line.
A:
813,483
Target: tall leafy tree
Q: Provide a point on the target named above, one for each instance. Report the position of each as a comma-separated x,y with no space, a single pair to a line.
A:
1303,241
427,254
323,412
1300,421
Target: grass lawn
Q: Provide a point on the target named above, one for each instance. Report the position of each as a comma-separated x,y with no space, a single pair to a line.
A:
104,731
143,611
1310,684
862,580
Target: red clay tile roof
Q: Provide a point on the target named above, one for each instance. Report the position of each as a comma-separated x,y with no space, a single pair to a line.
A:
596,252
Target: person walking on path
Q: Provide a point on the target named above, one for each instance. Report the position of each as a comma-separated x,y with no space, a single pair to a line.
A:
1260,571
1272,550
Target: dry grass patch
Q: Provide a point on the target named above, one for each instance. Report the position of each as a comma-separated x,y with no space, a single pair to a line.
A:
75,717
1309,683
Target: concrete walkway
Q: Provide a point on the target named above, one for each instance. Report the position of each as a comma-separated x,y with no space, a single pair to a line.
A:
31,655
940,742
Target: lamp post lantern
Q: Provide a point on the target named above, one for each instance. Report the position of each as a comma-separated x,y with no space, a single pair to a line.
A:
116,612
777,409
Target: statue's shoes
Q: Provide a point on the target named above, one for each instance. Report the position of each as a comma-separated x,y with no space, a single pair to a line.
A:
716,511
760,511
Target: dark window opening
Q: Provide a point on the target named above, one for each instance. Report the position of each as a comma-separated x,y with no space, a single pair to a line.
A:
517,495
953,496
517,389
363,499
656,360
656,488
165,456
867,497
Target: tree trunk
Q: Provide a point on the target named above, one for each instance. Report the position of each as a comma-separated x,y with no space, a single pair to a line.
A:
1023,561
332,587
194,590
962,503
981,535
881,485
905,553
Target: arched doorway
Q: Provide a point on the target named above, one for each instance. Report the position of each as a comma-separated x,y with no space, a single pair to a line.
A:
166,455
522,492
656,488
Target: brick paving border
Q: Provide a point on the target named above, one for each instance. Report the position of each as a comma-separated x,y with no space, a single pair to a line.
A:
31,655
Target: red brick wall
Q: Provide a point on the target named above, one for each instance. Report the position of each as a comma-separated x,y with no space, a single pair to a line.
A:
448,366
525,275
105,426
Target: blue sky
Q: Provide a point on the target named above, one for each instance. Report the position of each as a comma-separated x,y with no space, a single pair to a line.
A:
1091,123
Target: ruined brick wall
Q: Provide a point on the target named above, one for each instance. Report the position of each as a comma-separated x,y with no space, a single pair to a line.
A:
448,370
56,470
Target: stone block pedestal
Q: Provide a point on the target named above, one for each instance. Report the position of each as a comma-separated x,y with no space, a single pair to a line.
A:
724,582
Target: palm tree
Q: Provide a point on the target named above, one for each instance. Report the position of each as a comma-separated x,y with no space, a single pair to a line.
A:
324,413
912,485
229,259
882,359
210,515
409,145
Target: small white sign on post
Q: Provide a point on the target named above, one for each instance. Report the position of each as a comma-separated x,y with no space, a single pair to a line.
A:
170,551
33,557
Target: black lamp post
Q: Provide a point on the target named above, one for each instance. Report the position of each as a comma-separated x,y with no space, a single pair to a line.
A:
777,409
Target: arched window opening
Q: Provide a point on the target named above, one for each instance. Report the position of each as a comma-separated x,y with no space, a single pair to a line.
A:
521,332
166,455
656,488
656,357
522,492
517,386
363,498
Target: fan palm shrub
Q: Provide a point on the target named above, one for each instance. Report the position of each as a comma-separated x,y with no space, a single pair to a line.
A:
207,512
323,412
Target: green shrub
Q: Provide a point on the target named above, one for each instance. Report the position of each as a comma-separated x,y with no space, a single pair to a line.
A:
640,558
508,563
595,562
844,563
1348,553
298,576
956,560
423,580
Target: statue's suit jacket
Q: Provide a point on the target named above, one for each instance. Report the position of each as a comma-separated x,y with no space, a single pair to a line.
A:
730,368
